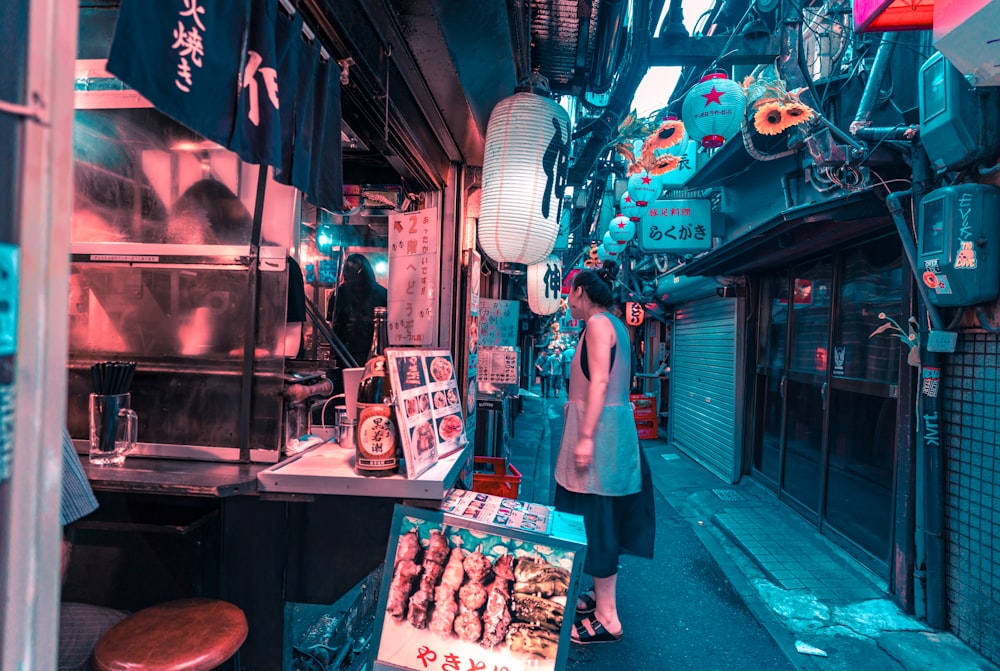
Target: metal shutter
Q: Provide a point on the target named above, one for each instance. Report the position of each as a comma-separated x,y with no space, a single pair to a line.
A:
704,375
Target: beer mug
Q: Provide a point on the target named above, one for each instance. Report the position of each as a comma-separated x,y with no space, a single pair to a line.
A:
113,428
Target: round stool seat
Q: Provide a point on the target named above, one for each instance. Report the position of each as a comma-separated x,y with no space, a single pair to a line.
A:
182,635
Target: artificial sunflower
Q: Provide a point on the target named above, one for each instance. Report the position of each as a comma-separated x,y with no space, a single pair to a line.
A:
664,163
592,260
775,107
669,134
770,119
798,112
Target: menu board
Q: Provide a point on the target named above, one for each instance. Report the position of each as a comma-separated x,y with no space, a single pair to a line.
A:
428,406
414,277
499,370
498,510
460,594
498,322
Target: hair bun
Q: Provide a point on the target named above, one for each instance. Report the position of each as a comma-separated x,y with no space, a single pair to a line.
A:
608,272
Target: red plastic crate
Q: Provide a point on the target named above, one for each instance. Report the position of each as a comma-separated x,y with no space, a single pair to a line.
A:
493,475
647,429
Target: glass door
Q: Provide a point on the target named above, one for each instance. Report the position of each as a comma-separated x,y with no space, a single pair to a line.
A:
825,418
806,387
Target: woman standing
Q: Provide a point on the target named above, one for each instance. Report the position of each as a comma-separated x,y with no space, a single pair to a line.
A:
600,471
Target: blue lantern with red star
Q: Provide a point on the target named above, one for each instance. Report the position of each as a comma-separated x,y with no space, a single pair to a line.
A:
713,110
644,188
621,229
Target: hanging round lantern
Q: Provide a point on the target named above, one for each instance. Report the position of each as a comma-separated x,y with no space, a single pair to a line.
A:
524,174
611,244
629,207
644,188
605,254
713,110
621,229
635,314
545,285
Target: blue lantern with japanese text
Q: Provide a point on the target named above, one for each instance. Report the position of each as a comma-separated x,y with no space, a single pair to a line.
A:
544,285
713,110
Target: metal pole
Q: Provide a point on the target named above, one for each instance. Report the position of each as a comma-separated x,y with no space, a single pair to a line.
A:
42,182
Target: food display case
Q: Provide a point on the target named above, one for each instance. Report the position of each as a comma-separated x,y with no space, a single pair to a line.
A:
202,388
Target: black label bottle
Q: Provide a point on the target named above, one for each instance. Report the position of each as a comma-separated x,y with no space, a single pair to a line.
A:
376,436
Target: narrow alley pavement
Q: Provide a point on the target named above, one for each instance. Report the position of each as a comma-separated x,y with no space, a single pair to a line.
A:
738,581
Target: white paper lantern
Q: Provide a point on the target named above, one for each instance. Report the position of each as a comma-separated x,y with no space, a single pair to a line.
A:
524,175
621,229
713,110
644,188
545,286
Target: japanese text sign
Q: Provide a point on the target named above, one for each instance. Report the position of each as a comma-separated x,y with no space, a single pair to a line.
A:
676,226
414,277
498,322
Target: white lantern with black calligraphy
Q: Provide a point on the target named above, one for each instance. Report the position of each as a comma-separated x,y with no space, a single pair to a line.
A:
621,229
713,110
545,286
524,174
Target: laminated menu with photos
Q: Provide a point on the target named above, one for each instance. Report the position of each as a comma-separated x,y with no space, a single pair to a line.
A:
498,510
428,406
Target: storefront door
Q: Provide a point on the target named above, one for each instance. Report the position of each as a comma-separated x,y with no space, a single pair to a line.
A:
825,394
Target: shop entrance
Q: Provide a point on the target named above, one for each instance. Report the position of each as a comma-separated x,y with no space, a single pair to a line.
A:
825,394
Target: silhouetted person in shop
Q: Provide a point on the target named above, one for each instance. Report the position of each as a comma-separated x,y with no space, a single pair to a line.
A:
356,299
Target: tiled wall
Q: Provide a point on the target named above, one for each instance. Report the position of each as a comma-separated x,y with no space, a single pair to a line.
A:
970,404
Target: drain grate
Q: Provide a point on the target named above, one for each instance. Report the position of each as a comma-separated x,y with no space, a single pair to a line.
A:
729,495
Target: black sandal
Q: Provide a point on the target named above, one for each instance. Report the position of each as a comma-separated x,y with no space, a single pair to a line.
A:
588,601
590,630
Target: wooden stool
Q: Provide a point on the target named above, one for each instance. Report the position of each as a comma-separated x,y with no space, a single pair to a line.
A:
182,635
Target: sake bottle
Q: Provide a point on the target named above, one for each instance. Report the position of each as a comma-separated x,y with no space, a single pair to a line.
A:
376,436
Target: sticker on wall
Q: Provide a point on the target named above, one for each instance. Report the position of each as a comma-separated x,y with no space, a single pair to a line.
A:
965,258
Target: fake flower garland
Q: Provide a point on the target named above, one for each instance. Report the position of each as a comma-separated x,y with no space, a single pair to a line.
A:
776,109
657,141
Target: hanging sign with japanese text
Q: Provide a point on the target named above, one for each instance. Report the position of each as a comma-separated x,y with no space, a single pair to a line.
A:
683,225
498,322
414,277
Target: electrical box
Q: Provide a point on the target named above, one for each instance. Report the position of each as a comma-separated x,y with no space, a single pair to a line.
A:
959,239
957,124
